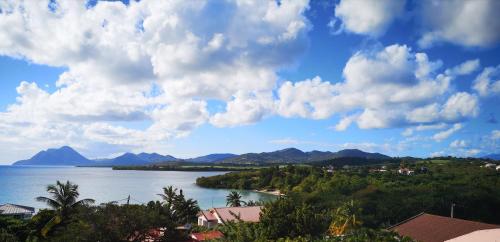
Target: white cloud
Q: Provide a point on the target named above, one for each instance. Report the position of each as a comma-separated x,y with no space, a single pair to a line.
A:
345,122
460,105
369,17
153,61
310,98
245,108
284,141
447,133
495,134
487,83
465,68
438,153
387,88
466,23
409,131
472,152
458,144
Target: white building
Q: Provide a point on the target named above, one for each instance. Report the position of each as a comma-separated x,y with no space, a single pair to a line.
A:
17,211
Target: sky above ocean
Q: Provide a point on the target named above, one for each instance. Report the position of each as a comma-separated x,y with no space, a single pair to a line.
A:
189,78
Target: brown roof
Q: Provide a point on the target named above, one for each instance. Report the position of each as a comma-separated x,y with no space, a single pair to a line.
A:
432,228
246,214
210,235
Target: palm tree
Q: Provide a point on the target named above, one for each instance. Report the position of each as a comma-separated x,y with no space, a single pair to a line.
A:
169,195
63,199
233,199
345,218
187,210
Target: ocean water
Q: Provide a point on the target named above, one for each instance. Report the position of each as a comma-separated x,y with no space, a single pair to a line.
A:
21,184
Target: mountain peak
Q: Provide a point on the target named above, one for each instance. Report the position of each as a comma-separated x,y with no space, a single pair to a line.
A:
61,156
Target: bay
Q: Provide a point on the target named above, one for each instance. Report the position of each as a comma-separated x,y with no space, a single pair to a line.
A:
21,184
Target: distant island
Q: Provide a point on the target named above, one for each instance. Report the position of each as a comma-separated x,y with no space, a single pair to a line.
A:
67,156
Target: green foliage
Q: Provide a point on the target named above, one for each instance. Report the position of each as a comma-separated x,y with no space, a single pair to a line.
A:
318,206
384,197
288,217
233,199
63,200
7,237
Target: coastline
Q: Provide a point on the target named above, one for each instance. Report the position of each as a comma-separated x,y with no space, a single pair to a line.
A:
270,192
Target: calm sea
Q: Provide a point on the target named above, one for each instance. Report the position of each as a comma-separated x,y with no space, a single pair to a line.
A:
21,184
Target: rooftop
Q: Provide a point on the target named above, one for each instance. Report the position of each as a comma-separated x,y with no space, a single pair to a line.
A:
210,235
432,228
480,235
247,214
13,209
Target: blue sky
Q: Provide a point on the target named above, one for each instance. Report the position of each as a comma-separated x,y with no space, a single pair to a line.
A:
190,79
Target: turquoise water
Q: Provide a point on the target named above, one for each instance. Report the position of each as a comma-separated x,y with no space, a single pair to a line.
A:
21,184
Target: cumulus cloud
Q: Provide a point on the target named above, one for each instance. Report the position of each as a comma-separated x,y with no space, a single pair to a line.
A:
465,23
390,87
487,83
409,131
150,61
371,17
458,144
465,68
447,133
245,108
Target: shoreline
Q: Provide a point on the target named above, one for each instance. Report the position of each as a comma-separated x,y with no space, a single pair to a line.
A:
273,192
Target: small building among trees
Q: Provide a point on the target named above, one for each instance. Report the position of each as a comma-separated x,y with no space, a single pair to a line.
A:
211,217
17,211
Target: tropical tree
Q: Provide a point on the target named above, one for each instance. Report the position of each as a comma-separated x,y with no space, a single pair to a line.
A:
63,200
179,208
253,203
233,199
169,195
345,218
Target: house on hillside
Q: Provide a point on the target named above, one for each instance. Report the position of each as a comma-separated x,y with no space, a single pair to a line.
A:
17,211
406,171
432,228
211,217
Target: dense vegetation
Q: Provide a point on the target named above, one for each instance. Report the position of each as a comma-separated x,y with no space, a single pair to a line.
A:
184,168
348,204
69,219
385,198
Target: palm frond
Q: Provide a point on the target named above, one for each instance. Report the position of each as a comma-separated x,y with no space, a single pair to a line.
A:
51,202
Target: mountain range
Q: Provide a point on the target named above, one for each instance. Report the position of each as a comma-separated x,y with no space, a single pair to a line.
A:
67,156
492,156
293,155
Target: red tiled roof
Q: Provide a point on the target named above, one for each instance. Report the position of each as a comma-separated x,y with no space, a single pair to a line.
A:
207,235
246,214
432,228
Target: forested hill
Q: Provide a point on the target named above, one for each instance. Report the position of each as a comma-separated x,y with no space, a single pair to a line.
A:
293,155
385,197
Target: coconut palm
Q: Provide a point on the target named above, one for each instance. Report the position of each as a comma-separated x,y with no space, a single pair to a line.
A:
63,199
233,199
169,195
187,209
